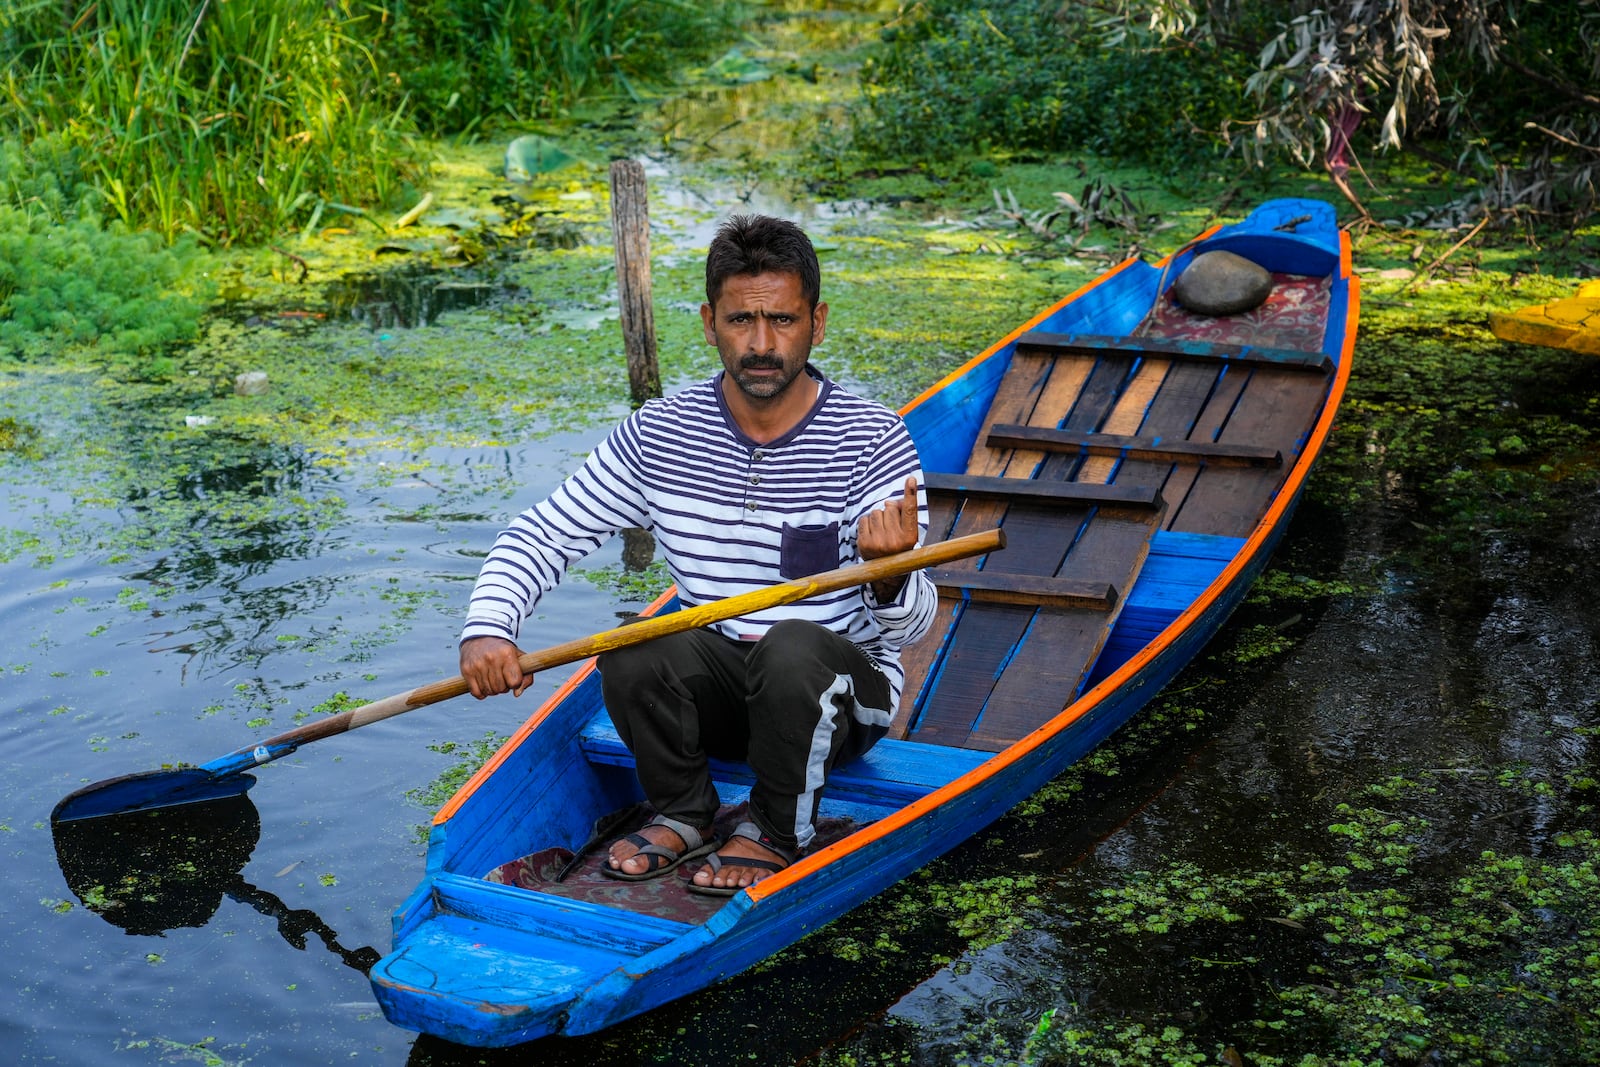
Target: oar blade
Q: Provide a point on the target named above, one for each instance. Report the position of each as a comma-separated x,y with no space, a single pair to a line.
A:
148,790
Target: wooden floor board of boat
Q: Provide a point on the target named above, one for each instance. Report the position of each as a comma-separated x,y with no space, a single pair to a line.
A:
1208,425
1276,409
1006,668
995,494
1131,446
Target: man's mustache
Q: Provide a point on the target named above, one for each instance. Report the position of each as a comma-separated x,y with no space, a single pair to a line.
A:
760,362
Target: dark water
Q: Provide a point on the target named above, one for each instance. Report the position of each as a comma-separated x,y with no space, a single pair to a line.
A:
412,296
250,950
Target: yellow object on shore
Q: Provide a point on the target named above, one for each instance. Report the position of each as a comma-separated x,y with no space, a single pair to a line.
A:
1572,323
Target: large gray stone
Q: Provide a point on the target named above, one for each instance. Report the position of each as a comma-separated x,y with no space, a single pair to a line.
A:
1221,283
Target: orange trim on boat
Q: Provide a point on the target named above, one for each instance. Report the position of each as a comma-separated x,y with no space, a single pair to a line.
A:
808,865
485,772
1014,334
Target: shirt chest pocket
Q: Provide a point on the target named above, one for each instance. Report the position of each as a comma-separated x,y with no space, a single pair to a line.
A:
808,550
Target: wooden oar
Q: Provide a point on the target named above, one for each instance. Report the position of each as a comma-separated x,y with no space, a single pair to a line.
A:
225,775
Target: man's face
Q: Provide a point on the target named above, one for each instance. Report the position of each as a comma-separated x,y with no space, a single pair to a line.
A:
764,329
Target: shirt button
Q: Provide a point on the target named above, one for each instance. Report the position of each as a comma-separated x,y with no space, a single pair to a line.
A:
760,455
750,506
755,479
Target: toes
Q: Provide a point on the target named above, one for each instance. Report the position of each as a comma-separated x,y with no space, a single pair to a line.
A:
633,863
706,877
732,873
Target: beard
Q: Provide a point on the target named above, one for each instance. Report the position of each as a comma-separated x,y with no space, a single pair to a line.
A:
764,387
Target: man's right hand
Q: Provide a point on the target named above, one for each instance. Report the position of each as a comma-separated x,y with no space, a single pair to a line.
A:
490,666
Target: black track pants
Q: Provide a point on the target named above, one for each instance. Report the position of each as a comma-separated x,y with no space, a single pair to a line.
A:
791,705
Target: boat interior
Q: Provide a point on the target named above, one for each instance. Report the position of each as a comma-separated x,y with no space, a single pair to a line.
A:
1127,470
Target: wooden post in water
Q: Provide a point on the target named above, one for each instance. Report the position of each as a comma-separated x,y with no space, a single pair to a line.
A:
630,231
630,235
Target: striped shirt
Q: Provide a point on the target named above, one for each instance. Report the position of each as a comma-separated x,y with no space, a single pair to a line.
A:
729,514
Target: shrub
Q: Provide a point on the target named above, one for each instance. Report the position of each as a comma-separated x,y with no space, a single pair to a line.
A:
1030,74
77,283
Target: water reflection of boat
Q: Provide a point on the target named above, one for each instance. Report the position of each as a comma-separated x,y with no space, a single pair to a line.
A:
151,871
1142,459
1572,323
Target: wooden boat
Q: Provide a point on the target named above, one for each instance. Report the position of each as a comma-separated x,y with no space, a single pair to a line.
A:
1572,323
1142,461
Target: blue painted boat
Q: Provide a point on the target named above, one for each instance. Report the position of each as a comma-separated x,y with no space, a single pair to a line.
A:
1142,460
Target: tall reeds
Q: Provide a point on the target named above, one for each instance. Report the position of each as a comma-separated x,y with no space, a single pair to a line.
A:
222,118
235,120
461,62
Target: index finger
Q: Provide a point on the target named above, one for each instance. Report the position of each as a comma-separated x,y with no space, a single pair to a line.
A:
908,512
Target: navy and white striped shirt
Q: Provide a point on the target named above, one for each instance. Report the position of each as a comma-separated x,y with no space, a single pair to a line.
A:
730,515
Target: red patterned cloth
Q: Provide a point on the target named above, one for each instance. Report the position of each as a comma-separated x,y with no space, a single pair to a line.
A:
664,896
1294,316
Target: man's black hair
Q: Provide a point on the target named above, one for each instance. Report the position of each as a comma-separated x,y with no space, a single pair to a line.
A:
761,244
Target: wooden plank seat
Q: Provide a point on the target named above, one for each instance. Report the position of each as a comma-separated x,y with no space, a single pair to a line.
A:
1011,435
1002,588
1080,344
1043,491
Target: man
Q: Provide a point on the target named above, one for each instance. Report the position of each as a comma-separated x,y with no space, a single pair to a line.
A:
766,472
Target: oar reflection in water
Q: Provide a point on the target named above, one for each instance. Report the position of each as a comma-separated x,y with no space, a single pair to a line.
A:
153,871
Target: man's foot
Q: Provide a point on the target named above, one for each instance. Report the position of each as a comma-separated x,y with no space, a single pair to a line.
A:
746,858
659,846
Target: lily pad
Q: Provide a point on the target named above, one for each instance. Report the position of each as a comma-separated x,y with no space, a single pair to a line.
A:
580,319
736,68
531,155
454,218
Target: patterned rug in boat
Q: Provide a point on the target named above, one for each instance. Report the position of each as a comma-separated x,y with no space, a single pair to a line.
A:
1294,316
666,896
